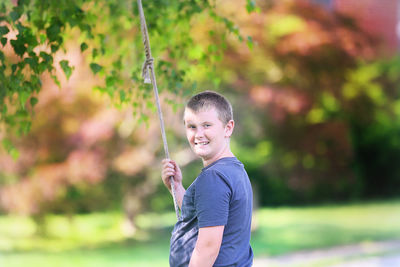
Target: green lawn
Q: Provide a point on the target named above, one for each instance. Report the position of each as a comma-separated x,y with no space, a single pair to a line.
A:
285,230
98,239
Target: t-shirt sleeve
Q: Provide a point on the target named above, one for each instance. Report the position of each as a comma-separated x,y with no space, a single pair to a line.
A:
212,197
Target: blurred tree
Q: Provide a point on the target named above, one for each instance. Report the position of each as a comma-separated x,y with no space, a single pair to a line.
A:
32,32
79,154
327,127
317,110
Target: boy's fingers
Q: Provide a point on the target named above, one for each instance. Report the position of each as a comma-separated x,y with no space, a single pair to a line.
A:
168,174
168,164
169,169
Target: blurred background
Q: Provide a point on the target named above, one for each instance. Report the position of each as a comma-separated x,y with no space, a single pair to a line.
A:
315,87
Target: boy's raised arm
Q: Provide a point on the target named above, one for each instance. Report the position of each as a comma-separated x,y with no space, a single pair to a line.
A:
170,168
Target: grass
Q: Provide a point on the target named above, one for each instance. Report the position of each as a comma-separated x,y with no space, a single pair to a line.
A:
91,240
99,239
284,230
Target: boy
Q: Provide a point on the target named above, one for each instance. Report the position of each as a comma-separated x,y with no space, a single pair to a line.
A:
214,229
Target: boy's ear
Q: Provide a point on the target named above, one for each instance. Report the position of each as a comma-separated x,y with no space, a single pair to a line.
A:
229,128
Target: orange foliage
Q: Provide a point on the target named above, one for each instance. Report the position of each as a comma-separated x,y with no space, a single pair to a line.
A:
76,138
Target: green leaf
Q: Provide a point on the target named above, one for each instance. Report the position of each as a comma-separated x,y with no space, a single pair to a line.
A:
33,63
46,57
47,62
110,81
95,53
19,47
43,38
14,16
55,79
4,30
23,97
14,68
84,46
250,6
95,67
122,95
250,42
53,32
25,126
212,48
229,24
23,2
3,8
54,48
110,91
10,148
66,68
33,101
36,83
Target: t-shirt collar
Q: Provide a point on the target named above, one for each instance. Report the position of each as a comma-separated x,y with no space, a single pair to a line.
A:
225,159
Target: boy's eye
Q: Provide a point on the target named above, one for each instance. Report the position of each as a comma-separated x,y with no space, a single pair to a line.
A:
207,125
191,126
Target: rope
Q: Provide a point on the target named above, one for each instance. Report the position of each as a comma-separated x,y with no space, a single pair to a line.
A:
149,77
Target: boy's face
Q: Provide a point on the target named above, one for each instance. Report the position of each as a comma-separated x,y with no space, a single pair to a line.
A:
207,135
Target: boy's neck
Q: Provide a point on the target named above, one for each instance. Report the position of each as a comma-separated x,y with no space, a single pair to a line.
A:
227,154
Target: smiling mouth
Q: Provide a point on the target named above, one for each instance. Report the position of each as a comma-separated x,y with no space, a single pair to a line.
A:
201,143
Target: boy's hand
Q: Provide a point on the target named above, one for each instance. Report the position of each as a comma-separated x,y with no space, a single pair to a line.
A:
170,168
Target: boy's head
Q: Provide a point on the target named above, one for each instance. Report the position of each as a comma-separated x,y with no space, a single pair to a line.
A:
208,100
209,125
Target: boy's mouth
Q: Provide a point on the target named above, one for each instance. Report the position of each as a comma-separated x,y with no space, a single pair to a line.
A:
201,143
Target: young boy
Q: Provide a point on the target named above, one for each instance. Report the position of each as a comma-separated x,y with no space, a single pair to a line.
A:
214,229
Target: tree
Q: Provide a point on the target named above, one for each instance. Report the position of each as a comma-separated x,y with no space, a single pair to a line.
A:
32,32
80,155
52,147
324,102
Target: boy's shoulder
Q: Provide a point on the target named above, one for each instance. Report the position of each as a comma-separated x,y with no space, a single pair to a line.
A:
225,168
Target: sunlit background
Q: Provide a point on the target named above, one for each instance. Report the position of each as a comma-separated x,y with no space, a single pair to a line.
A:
315,88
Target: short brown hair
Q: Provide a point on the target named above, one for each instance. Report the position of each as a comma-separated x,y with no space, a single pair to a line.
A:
208,99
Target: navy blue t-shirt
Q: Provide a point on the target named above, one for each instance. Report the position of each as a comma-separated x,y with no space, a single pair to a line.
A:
220,195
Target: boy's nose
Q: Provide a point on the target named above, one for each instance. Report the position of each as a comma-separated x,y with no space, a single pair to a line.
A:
199,132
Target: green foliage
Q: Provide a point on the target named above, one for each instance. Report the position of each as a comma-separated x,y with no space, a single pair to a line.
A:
375,132
66,68
10,148
95,67
84,46
4,30
37,24
108,32
250,5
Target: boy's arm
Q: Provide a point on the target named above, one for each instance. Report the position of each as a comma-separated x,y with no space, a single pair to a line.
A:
207,246
171,169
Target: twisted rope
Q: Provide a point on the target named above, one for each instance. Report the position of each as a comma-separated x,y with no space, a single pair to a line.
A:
149,77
